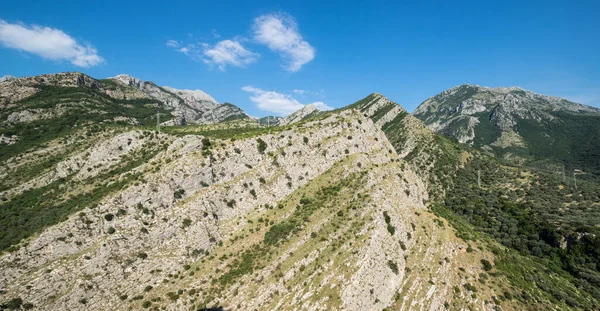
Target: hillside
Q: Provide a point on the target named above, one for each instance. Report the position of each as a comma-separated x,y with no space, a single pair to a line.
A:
518,125
432,156
187,106
309,214
359,208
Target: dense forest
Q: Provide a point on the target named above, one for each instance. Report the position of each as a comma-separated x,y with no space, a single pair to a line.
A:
544,215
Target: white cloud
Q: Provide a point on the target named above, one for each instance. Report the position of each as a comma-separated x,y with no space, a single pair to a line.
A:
184,50
278,103
322,106
228,52
299,92
280,33
48,43
224,53
172,44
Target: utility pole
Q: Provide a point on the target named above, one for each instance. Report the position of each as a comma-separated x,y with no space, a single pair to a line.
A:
158,121
479,178
574,180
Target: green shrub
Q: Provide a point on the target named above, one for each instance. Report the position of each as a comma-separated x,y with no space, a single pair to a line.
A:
393,266
111,230
262,145
391,229
109,217
487,266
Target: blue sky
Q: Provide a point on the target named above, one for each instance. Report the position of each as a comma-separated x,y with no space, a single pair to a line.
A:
282,54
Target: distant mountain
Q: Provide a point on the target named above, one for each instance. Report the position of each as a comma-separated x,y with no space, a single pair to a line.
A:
190,106
270,120
517,125
187,106
305,112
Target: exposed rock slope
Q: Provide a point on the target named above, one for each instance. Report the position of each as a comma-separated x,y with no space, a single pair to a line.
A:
319,215
431,156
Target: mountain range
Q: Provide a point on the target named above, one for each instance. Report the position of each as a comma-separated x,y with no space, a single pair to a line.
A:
482,199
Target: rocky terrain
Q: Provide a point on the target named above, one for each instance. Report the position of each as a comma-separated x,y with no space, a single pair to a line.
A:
431,156
360,208
307,216
510,122
187,106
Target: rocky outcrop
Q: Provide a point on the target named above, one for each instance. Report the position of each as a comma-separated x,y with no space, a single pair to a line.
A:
421,148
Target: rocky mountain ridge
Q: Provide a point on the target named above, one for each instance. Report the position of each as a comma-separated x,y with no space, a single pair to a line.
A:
310,211
188,106
510,122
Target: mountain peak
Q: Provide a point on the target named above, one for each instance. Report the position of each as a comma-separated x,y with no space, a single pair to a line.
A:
191,95
508,120
299,115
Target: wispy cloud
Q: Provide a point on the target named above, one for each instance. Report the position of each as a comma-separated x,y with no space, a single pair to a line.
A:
172,44
48,43
282,104
299,92
224,53
302,93
280,33
228,52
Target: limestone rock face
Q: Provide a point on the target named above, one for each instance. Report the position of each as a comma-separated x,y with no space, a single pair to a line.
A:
321,215
419,146
15,89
